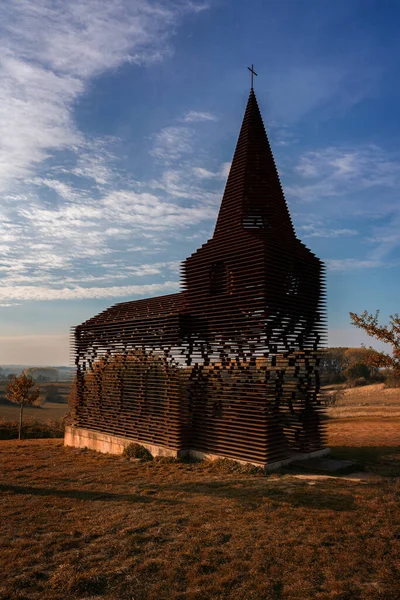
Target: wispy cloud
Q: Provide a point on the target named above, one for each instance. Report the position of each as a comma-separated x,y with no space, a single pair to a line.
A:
50,50
194,116
351,264
222,173
79,293
320,89
67,216
317,230
172,143
334,171
353,186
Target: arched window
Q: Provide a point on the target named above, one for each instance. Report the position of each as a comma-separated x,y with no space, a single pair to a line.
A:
218,278
293,280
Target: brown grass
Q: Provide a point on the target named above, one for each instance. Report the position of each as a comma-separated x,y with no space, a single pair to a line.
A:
370,400
43,413
77,524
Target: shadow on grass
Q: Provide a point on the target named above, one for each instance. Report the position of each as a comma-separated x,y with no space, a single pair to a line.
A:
83,495
252,497
383,460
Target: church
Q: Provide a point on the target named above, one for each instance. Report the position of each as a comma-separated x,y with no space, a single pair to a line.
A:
229,367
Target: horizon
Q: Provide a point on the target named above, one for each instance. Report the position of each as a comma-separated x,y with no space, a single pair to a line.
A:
119,124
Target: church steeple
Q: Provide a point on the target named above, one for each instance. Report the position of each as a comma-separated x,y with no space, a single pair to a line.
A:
253,198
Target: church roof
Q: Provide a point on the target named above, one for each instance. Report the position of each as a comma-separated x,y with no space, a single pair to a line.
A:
253,187
150,308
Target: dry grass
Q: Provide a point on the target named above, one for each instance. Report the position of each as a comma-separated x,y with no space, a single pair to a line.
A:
48,411
370,400
78,524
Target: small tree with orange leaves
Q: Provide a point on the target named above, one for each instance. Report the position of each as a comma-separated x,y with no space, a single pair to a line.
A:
22,390
390,334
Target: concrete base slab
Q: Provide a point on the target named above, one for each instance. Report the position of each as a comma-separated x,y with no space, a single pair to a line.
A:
79,437
358,477
326,465
297,457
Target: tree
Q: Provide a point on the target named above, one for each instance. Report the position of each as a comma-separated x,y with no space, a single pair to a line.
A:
53,394
360,364
390,334
333,364
22,390
356,370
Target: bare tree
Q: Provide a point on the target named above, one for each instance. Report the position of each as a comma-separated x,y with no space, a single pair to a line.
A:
22,390
390,334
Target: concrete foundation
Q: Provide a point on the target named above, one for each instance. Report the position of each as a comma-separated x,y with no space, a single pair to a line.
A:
79,437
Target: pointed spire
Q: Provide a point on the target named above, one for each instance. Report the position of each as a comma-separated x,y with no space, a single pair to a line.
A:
253,197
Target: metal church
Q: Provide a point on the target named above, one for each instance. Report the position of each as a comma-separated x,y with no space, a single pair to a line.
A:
229,366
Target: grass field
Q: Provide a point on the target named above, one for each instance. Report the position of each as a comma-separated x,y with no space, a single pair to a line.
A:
367,401
77,524
47,410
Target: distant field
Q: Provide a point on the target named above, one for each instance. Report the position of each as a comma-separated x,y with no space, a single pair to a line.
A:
63,387
367,401
49,410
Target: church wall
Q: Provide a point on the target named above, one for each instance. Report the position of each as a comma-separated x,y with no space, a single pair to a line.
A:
128,383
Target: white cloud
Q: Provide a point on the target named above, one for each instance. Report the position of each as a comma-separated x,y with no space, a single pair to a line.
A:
355,184
179,184
324,232
172,143
351,264
94,161
68,216
50,50
204,173
194,116
150,212
222,173
35,117
334,170
8,304
9,293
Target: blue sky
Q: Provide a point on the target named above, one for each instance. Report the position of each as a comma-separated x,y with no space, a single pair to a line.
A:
118,122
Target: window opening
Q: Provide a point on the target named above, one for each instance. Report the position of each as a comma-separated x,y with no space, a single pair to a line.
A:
253,220
293,281
218,278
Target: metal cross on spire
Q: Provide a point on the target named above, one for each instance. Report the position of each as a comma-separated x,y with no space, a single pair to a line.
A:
252,71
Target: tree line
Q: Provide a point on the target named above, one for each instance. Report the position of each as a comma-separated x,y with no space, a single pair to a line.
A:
363,365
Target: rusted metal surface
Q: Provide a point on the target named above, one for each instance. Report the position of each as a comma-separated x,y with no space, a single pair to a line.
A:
230,365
